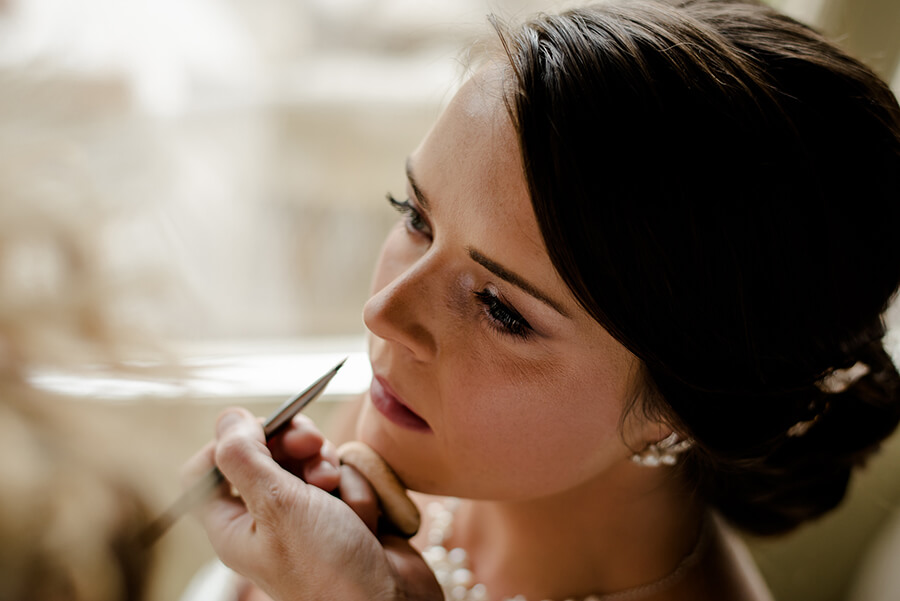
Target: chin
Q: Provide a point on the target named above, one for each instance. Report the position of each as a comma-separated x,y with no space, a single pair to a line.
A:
411,465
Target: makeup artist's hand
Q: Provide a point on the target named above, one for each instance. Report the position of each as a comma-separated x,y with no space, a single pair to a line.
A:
292,538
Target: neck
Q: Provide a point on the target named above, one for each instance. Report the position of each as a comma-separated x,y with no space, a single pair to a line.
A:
629,528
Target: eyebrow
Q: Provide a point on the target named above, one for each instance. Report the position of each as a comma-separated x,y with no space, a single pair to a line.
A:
514,279
489,264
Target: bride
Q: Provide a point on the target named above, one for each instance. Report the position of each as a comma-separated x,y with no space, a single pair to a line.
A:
632,305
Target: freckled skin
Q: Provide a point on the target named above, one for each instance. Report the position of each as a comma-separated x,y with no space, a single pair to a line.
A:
510,418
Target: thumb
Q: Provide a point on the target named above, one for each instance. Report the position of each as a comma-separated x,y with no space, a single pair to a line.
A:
246,462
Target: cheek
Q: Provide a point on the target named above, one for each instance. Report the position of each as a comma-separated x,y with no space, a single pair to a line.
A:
526,430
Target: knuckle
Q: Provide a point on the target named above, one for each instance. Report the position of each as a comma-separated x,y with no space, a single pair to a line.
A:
275,496
276,503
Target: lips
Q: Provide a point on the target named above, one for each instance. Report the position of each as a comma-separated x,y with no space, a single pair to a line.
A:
389,405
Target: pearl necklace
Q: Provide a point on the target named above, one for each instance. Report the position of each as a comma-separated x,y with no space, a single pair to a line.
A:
451,567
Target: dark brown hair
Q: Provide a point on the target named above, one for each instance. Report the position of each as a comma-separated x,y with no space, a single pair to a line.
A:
717,184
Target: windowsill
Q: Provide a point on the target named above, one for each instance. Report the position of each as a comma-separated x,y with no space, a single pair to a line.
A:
254,371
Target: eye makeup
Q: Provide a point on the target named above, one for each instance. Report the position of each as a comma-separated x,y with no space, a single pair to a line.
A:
502,316
515,279
412,216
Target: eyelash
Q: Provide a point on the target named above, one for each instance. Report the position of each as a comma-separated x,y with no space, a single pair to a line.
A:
503,318
414,220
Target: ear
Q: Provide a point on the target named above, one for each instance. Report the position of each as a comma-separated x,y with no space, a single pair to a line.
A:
648,434
662,446
641,430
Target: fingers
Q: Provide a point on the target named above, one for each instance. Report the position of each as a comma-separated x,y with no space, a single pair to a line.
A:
413,575
246,462
324,471
280,533
399,509
302,439
358,493
303,451
300,449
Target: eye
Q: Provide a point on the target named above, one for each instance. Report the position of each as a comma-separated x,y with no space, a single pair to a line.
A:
502,317
413,218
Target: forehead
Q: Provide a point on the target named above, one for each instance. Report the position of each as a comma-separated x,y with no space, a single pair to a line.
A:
469,168
472,155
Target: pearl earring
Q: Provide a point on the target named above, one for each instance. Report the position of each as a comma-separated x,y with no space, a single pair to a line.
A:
664,452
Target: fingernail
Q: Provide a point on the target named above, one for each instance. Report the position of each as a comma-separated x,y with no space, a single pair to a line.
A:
324,470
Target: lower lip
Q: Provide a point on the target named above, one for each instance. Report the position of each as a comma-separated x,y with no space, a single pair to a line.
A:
396,412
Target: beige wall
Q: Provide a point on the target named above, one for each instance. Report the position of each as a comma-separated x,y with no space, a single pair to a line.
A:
870,29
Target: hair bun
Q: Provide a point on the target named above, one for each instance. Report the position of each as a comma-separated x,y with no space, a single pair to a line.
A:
806,473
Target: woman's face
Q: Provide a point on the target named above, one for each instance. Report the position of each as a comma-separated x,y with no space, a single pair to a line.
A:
490,380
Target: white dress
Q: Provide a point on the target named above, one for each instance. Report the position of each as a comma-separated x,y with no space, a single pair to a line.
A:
213,582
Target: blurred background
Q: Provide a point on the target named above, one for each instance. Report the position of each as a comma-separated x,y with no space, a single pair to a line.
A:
223,165
244,147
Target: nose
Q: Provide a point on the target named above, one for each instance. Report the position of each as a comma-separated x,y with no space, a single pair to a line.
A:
403,311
